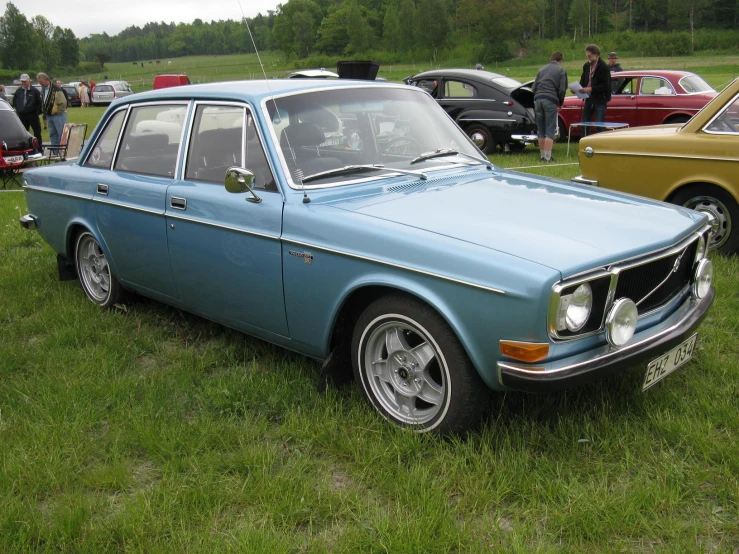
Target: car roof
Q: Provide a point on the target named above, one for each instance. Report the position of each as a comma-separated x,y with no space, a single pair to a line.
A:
253,91
667,73
474,74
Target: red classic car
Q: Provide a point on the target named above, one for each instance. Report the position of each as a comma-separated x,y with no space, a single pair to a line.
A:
17,146
643,98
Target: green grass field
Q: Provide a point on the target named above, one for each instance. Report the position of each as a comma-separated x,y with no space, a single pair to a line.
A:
717,70
146,429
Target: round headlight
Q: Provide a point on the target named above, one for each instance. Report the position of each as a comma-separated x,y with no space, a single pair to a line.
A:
578,311
621,321
703,278
588,151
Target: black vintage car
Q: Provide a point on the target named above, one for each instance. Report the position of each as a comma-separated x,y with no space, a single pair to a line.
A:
494,110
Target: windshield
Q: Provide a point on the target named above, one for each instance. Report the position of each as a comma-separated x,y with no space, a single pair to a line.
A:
693,84
330,129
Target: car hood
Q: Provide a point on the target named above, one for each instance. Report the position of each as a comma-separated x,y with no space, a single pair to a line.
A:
567,227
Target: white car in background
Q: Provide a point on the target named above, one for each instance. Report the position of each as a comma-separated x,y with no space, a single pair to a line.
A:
105,93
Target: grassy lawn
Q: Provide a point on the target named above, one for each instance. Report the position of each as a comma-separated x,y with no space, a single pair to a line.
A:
147,429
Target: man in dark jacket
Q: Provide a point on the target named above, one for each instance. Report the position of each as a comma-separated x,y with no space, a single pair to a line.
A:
549,89
27,104
596,81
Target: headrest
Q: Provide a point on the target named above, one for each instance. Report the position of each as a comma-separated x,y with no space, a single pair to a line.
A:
302,134
143,142
228,139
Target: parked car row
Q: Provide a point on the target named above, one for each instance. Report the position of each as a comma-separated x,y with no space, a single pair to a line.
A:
356,223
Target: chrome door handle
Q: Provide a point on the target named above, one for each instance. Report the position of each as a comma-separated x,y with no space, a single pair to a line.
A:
178,203
103,189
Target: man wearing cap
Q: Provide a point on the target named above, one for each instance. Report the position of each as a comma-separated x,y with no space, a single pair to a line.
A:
54,106
27,104
615,67
613,64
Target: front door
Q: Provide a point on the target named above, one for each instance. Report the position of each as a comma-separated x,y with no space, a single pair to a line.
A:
225,249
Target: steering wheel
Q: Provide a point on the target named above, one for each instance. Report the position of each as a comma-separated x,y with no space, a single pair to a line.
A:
402,146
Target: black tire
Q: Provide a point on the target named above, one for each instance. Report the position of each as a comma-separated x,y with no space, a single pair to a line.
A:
719,204
516,146
98,282
488,145
413,369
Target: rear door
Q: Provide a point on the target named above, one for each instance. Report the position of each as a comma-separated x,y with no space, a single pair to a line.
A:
225,248
130,197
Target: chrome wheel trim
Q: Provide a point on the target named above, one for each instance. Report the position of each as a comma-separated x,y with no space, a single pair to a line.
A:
480,139
719,217
93,269
405,370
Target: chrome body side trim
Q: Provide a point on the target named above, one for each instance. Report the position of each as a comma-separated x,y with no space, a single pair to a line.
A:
59,192
669,156
171,215
391,264
580,180
109,202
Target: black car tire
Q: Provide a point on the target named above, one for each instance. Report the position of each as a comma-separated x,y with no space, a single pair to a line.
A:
719,203
489,146
96,278
413,369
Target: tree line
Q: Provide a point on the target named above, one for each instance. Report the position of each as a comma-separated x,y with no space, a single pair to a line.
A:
35,43
480,30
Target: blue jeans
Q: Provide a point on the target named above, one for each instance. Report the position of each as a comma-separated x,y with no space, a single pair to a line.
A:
589,108
56,126
546,117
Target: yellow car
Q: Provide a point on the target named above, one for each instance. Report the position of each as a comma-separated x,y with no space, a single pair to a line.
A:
695,164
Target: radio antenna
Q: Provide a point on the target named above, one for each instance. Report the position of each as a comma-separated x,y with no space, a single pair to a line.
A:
298,174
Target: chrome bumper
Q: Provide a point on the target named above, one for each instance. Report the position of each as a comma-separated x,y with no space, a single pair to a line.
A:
28,221
35,157
647,344
580,180
525,138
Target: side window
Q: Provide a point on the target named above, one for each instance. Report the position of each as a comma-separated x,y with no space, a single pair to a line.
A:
102,153
429,85
459,89
151,140
656,85
217,143
623,86
727,122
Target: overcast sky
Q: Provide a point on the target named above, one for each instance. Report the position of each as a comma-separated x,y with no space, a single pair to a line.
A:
85,17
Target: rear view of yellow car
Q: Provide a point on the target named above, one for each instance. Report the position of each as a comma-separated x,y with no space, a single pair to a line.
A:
695,165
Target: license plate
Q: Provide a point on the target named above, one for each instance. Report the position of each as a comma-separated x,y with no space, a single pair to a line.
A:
13,159
664,365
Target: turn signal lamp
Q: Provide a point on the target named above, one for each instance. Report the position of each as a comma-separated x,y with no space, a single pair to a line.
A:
529,352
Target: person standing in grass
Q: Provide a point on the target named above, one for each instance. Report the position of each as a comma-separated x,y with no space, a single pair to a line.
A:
549,89
84,95
54,106
596,81
27,104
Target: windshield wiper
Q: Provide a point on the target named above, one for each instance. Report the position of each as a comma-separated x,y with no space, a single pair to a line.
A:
441,152
358,167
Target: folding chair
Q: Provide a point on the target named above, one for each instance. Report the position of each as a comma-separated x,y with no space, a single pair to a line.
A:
70,144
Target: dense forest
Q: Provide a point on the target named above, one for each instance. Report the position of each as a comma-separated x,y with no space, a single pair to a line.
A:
480,30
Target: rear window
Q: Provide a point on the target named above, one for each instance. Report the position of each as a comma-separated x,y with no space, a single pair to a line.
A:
506,82
70,90
103,88
693,84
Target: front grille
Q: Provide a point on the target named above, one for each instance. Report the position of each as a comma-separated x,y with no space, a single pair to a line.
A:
637,282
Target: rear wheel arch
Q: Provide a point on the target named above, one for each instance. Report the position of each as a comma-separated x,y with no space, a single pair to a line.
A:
677,118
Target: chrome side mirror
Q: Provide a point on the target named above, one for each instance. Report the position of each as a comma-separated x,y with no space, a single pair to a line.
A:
240,180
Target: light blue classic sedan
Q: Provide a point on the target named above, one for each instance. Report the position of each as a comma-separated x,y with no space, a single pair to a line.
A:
355,223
